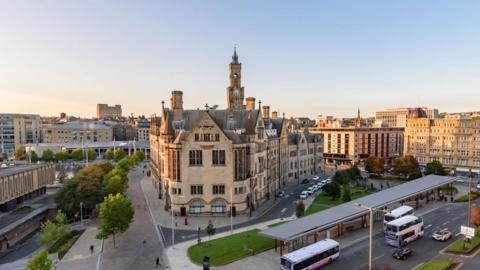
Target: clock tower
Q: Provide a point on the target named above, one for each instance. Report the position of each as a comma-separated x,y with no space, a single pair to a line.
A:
235,91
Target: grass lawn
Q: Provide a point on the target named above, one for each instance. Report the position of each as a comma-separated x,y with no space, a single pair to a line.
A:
464,198
276,224
436,264
314,208
457,246
230,248
65,243
322,201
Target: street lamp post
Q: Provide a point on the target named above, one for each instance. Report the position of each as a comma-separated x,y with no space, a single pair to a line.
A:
231,210
469,196
81,213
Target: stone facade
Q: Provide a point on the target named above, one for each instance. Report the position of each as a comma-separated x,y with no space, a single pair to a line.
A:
77,131
108,112
453,142
17,130
305,155
217,161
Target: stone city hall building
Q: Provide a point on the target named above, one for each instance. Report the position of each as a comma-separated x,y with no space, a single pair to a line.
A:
212,161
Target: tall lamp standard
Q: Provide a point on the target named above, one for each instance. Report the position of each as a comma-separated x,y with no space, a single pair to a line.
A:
231,210
81,213
371,210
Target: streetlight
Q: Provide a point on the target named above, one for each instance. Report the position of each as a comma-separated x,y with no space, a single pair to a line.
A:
81,214
173,227
231,209
469,196
370,209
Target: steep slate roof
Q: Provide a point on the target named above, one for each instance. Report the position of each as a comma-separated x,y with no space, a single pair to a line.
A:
243,120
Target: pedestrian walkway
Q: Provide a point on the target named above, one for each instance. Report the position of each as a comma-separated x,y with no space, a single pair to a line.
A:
164,218
80,256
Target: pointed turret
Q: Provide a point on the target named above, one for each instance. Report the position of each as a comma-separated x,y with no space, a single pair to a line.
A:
235,56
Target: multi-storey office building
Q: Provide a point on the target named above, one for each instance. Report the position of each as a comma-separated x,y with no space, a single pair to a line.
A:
17,130
78,131
398,117
345,147
109,112
453,142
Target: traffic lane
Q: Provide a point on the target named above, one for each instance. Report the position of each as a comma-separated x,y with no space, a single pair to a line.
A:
355,256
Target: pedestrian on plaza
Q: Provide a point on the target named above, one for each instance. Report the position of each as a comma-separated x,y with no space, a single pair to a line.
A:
381,186
157,261
91,249
144,240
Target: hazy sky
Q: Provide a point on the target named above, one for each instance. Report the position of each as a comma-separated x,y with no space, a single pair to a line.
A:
299,57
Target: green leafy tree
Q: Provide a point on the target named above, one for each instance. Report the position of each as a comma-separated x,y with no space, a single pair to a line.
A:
62,176
115,184
33,157
47,155
210,229
62,155
139,156
347,196
51,232
375,165
435,167
119,154
299,208
109,154
408,167
20,153
3,156
67,198
333,190
77,154
92,155
40,262
116,214
125,164
90,185
106,167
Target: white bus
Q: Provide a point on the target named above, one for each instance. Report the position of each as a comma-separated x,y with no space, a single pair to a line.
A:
403,230
399,212
312,256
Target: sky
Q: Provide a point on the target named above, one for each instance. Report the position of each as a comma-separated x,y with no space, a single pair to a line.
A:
303,58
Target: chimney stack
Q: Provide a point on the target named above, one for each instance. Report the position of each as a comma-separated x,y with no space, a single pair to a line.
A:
176,104
266,112
250,103
274,114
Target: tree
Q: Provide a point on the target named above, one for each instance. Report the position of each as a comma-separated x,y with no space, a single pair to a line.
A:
67,198
375,165
3,156
106,167
51,232
333,190
475,214
115,184
20,153
408,167
109,154
435,167
116,214
90,185
299,208
347,196
62,176
139,156
125,164
92,155
47,155
33,157
62,155
77,154
119,154
210,229
40,262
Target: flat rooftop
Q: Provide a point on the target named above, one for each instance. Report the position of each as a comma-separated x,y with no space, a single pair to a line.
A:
109,144
19,168
344,212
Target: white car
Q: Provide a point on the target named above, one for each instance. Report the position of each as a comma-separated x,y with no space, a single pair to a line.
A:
324,182
304,195
316,178
310,190
478,185
442,235
329,180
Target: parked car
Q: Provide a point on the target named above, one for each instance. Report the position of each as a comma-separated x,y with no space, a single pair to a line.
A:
402,253
316,187
478,185
442,235
315,178
305,181
324,182
304,195
310,190
280,194
329,180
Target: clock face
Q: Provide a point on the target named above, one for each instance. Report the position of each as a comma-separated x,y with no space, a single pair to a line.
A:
235,75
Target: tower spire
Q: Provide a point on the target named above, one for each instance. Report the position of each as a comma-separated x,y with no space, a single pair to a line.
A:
235,56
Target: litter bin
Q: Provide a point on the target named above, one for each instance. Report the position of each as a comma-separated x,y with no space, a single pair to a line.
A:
206,263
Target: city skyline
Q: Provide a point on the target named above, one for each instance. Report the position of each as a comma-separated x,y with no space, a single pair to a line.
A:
330,58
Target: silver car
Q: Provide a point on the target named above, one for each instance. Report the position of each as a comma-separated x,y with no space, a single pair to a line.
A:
442,235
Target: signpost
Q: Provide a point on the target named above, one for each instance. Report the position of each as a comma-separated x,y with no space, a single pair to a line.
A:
469,232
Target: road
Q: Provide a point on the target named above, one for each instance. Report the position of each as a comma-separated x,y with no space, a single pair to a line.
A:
131,251
451,216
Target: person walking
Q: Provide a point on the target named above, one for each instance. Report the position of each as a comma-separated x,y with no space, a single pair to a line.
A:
157,262
91,249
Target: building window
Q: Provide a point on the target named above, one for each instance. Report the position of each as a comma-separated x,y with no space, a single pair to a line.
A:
217,137
197,137
219,206
176,191
195,157
196,206
240,190
218,189
196,190
218,157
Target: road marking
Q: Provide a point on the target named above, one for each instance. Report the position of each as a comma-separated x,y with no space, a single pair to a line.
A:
445,223
428,226
188,236
376,258
283,210
458,234
286,196
442,230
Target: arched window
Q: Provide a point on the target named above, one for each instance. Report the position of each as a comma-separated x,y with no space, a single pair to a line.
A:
219,206
196,206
